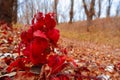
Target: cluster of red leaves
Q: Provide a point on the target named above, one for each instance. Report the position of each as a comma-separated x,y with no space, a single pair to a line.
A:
39,38
37,47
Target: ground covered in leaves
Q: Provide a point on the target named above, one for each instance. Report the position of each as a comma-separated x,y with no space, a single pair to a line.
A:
101,60
93,59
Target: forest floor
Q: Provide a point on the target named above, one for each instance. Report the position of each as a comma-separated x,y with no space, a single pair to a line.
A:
98,50
101,60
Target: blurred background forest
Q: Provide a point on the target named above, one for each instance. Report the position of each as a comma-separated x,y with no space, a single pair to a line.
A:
22,11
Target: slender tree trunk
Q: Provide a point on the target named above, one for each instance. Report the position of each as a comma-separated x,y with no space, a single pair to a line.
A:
71,11
27,12
118,9
31,5
55,9
14,13
89,12
99,6
109,7
46,6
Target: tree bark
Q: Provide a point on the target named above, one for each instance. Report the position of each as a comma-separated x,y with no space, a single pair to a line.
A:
8,11
71,11
27,15
89,12
118,9
109,7
55,9
14,12
99,7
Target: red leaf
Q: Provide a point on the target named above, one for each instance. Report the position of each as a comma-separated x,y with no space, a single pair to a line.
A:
63,77
40,34
24,36
18,64
37,47
56,62
50,21
27,36
59,77
8,60
64,51
38,25
39,16
53,35
5,78
55,78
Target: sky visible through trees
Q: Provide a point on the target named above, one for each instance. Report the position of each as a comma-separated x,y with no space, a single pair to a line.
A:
63,8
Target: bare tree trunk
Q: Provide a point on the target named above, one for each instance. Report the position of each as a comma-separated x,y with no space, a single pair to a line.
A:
55,9
118,9
14,14
7,10
99,7
27,13
71,11
89,12
109,7
46,6
32,9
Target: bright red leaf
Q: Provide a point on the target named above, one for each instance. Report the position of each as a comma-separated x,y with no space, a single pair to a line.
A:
53,35
56,62
50,21
40,34
37,47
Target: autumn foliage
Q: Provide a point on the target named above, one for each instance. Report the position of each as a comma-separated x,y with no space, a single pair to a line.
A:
37,48
42,57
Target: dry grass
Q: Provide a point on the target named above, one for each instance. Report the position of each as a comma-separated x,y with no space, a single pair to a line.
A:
103,31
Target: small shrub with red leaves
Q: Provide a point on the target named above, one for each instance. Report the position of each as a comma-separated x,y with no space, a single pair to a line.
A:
37,49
